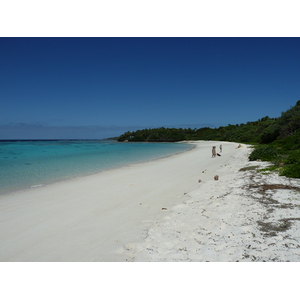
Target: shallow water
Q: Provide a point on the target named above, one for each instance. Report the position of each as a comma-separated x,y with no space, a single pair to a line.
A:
25,164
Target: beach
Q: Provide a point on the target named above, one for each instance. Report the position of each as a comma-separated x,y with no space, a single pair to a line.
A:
171,209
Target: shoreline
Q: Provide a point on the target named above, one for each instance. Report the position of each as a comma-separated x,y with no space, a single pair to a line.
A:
169,209
91,218
68,178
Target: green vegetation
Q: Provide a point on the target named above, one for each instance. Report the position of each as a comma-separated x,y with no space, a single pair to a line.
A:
257,132
264,154
276,139
292,165
154,135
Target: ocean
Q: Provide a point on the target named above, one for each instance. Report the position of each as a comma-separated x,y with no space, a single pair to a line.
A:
31,164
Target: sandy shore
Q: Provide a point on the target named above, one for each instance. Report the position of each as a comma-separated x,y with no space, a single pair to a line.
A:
157,211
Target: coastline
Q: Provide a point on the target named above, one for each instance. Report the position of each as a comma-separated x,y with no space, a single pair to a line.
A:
118,215
98,166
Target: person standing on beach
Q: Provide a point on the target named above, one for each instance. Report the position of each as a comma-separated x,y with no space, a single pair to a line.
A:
220,148
214,151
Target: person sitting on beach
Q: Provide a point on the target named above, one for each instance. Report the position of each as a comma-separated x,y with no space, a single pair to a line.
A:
214,153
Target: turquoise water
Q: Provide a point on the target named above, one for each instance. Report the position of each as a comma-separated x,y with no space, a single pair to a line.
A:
25,164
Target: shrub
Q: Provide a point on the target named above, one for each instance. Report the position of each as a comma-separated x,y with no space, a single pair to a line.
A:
294,157
264,154
269,134
292,171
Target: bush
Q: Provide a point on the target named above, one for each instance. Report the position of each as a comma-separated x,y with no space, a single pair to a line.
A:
292,171
294,157
264,154
269,134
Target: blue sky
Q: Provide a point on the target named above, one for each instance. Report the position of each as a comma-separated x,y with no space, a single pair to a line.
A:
102,87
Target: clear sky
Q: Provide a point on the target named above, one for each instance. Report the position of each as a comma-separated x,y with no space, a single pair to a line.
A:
102,87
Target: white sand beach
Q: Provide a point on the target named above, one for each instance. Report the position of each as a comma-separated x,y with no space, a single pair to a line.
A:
158,211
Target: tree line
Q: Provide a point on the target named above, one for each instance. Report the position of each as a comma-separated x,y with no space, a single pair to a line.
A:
284,129
281,134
